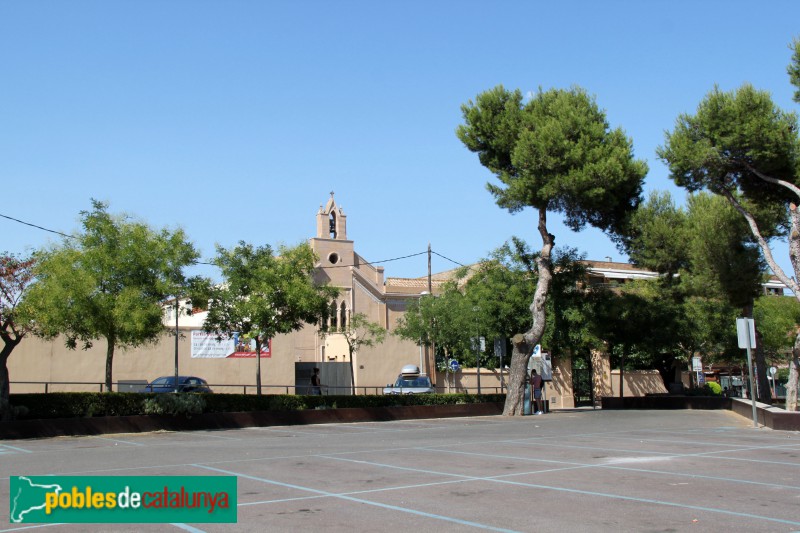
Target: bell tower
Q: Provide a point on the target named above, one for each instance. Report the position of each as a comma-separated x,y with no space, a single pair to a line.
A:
331,221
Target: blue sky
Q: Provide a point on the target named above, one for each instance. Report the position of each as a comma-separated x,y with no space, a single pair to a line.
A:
234,119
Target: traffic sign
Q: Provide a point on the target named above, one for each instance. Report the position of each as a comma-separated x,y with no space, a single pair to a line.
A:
746,332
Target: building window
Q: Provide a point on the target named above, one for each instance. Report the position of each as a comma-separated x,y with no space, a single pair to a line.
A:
333,258
343,317
334,317
332,227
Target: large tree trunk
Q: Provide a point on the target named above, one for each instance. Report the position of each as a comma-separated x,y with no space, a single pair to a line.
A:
5,406
794,373
517,376
258,365
519,359
109,362
9,343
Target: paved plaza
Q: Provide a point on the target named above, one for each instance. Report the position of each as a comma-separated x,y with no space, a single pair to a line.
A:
565,471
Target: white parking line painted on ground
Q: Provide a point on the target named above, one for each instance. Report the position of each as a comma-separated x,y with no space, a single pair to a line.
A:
363,501
615,467
32,526
621,497
189,528
116,441
4,447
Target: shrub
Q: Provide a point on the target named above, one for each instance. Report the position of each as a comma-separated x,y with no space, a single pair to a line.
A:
714,388
174,404
77,404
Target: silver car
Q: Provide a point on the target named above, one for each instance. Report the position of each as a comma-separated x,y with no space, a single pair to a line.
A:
405,384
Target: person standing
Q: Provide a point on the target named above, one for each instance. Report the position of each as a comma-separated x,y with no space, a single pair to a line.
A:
316,384
536,387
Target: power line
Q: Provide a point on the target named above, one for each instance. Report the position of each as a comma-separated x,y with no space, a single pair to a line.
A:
212,264
443,257
72,236
37,227
378,262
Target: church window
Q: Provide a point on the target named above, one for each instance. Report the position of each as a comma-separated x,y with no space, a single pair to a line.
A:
332,226
343,317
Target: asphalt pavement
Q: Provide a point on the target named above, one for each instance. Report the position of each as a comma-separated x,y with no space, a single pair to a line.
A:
572,471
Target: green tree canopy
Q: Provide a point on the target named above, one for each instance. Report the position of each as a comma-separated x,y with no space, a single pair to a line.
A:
713,269
778,320
794,68
107,281
557,153
657,235
741,146
263,295
444,320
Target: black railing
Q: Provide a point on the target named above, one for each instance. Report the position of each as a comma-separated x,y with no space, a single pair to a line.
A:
245,388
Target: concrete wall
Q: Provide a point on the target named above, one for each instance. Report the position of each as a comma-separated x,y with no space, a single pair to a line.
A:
637,383
42,361
36,360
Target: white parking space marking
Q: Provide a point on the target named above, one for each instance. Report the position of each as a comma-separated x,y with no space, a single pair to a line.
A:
5,448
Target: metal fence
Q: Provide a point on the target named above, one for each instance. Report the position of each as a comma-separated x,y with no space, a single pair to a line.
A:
227,388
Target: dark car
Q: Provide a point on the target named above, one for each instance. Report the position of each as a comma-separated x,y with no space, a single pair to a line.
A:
185,384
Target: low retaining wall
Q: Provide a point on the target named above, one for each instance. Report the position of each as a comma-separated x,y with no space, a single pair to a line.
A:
26,429
766,415
666,402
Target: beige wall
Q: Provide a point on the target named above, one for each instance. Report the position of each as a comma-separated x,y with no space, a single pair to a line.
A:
41,361
637,383
380,364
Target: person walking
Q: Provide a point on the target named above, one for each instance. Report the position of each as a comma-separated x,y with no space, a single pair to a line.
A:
536,387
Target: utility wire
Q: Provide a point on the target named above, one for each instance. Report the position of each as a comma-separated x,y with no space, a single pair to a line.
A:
212,264
72,236
443,257
378,262
37,227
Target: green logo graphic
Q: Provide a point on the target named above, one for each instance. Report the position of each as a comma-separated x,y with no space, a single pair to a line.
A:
122,499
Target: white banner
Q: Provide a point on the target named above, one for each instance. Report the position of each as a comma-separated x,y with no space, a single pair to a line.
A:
206,345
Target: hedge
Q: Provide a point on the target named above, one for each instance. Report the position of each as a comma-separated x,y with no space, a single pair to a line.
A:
88,404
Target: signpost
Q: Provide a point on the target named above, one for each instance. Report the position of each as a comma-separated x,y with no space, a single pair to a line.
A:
697,368
746,332
453,366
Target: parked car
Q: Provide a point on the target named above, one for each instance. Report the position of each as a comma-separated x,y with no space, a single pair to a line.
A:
410,381
185,384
